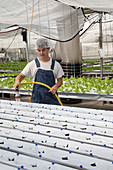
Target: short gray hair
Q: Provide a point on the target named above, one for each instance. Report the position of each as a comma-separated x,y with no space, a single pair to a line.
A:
42,42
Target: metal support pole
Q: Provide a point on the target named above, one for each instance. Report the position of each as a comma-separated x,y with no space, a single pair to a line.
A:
100,43
27,49
24,34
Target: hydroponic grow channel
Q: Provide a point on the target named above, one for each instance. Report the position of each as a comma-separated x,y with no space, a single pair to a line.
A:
36,136
64,95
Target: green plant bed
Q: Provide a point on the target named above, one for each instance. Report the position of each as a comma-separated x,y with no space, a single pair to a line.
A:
8,74
9,83
91,62
92,68
87,85
13,66
73,85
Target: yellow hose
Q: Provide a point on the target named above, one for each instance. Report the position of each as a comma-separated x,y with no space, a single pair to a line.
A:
45,86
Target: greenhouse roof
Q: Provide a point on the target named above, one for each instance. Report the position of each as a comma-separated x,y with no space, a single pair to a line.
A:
57,20
96,5
51,19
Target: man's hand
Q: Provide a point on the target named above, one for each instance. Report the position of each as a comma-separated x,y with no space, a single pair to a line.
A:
56,86
18,80
16,85
53,90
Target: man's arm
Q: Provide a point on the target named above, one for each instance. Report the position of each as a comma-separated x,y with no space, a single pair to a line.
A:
57,85
18,80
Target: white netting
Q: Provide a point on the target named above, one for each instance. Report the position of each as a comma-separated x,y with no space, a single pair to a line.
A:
90,38
97,5
47,18
57,21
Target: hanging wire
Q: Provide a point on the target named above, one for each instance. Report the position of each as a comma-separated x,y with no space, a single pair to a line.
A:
80,59
106,42
12,40
64,21
31,28
72,34
111,37
27,12
38,22
91,23
29,31
48,17
73,64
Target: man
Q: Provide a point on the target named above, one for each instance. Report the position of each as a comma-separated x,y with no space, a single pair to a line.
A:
45,70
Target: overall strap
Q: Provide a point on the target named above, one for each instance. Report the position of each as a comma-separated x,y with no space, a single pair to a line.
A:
53,63
37,62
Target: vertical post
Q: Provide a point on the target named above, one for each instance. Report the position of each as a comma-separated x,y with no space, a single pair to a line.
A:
100,42
27,49
24,34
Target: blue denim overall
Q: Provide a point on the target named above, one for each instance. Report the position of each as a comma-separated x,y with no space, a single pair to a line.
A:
40,93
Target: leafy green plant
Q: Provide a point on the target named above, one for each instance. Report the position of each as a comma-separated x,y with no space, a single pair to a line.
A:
13,66
8,74
91,62
73,85
84,85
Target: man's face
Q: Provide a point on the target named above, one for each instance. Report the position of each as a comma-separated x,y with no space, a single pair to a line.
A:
43,52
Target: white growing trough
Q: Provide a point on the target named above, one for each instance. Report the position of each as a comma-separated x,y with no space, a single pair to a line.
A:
49,137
